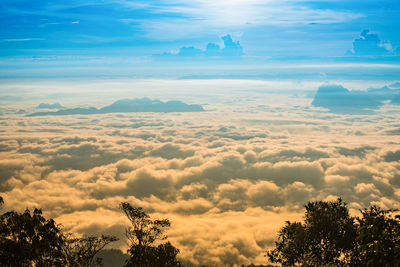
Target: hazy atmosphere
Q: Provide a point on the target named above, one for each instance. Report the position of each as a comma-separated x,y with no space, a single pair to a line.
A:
226,117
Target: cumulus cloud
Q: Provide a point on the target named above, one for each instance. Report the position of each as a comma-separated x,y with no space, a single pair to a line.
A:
170,151
341,100
355,152
371,44
230,50
392,156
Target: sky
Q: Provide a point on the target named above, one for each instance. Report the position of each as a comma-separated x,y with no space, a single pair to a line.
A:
300,100
132,34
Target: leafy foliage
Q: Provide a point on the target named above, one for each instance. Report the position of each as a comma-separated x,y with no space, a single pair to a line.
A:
291,244
144,235
29,239
82,251
329,236
144,231
330,231
378,239
163,255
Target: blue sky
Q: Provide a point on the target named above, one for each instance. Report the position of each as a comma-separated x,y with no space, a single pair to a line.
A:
267,30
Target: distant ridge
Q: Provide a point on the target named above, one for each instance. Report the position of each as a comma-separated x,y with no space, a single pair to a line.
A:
127,106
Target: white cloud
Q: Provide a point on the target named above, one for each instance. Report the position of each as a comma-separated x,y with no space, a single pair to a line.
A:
192,17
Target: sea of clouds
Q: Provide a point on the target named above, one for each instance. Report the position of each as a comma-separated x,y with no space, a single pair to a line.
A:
227,178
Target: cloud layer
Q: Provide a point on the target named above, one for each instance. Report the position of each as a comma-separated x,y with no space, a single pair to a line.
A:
227,178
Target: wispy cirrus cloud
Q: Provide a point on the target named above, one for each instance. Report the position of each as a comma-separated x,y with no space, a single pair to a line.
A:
22,39
185,18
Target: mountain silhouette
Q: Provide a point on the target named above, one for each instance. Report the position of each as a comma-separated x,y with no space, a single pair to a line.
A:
127,106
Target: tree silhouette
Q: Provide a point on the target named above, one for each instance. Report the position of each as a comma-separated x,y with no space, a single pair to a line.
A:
144,235
29,239
378,238
290,248
329,236
82,251
326,236
330,231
